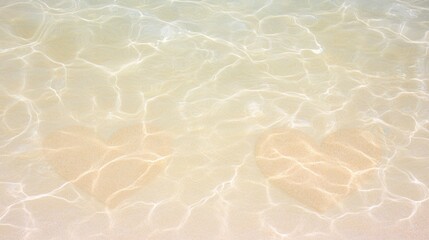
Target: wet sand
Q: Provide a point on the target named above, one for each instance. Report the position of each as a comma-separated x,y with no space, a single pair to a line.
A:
209,119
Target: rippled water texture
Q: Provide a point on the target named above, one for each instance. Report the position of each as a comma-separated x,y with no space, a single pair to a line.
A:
189,120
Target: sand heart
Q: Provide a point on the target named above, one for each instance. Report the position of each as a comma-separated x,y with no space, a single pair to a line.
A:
318,175
108,170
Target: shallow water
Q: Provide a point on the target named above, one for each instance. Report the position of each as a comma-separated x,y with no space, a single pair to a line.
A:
214,119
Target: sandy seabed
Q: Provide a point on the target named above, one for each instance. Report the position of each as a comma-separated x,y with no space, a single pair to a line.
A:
189,120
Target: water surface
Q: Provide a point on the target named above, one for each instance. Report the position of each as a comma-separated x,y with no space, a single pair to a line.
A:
210,119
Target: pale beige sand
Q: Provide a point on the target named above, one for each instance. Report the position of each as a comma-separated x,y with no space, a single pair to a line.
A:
215,74
318,175
109,170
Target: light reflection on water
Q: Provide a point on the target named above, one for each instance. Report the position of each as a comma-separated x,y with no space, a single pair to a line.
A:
215,77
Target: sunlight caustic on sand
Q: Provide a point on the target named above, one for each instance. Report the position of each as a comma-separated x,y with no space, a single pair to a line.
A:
214,120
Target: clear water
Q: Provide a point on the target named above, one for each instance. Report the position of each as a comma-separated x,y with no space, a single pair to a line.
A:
214,119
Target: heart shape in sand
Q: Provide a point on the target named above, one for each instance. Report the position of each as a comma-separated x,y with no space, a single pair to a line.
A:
109,170
318,175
